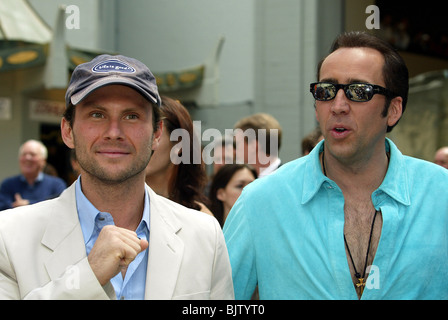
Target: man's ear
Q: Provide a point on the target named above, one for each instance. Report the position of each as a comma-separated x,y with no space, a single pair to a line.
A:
157,135
67,133
395,111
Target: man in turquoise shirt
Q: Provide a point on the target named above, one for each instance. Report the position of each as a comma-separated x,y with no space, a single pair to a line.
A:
355,218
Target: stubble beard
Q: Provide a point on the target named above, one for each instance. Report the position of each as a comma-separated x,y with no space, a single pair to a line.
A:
105,174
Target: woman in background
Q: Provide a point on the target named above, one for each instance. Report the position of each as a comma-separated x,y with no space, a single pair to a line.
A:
181,182
226,187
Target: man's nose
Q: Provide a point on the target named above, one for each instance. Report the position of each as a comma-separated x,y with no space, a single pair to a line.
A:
114,130
340,104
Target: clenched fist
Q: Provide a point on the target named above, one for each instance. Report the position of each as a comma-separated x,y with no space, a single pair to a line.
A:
113,251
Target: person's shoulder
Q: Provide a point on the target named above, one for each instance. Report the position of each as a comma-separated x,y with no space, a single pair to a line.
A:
203,208
195,228
53,179
32,211
291,166
11,180
30,218
288,173
183,214
415,167
425,170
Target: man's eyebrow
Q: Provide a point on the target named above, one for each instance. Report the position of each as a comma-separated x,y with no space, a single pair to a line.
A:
93,105
330,80
355,80
350,80
90,103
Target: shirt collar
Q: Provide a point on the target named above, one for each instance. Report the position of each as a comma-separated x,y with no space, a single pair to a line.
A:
271,168
395,183
313,177
87,212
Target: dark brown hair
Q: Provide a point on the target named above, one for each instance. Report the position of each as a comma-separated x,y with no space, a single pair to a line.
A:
188,179
395,72
220,180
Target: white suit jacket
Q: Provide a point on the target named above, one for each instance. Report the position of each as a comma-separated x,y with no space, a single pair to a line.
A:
43,256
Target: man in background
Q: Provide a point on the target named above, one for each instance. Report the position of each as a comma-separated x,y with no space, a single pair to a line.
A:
258,142
441,157
32,185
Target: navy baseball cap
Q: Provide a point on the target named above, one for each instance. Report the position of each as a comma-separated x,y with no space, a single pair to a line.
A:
104,70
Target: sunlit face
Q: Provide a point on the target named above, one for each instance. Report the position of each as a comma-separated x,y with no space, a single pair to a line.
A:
233,189
112,134
31,160
354,129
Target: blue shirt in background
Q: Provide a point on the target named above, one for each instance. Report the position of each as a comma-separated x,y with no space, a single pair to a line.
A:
285,233
45,187
132,287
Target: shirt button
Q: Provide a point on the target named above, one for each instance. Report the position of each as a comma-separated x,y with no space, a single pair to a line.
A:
122,298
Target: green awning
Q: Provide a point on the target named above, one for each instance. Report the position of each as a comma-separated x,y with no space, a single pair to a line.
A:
18,55
25,42
166,81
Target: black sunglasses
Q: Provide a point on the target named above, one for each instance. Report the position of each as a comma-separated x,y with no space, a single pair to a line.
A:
358,92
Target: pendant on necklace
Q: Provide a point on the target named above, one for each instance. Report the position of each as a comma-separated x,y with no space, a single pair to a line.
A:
361,284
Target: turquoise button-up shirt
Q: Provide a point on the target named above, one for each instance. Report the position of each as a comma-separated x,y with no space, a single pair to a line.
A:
285,233
132,286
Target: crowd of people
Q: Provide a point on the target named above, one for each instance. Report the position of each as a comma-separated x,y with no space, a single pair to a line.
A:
186,183
136,225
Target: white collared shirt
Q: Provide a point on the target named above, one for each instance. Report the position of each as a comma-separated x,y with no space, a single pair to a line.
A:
272,167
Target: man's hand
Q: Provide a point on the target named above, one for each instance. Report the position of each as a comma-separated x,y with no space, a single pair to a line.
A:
19,201
113,251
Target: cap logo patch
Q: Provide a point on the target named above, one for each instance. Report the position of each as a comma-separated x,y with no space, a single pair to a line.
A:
113,65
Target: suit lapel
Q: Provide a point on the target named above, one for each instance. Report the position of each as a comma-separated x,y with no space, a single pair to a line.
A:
63,235
165,250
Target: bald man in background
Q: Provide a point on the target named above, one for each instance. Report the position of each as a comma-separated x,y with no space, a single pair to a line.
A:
441,157
31,185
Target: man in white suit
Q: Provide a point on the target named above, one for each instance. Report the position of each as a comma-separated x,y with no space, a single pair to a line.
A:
109,235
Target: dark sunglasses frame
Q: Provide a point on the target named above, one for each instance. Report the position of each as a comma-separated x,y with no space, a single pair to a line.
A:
347,88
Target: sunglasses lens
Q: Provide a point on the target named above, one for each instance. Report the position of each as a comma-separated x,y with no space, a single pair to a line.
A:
359,92
324,91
